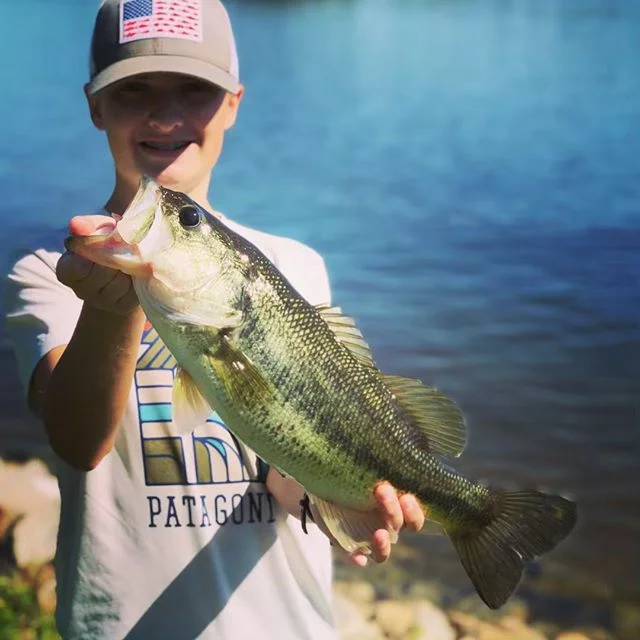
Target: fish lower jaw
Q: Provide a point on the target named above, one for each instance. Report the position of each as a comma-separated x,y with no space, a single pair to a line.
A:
129,263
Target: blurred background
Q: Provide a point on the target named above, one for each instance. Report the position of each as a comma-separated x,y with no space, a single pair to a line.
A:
469,169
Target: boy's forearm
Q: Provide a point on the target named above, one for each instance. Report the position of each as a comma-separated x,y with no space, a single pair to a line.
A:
286,491
88,389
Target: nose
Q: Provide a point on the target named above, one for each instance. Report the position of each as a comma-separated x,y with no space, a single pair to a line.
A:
166,115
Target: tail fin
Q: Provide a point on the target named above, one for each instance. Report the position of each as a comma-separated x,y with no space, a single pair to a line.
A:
526,525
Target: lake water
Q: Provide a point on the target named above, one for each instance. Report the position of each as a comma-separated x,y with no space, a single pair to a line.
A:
470,171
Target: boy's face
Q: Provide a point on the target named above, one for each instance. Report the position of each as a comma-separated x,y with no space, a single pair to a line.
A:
167,126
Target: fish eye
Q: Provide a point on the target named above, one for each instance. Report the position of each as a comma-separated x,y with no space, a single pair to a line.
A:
189,216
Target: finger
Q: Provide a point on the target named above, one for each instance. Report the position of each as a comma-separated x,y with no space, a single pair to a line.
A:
412,513
389,505
91,225
91,286
381,545
128,302
119,295
72,268
358,559
115,289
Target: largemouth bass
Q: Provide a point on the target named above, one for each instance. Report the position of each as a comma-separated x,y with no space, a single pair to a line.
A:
299,386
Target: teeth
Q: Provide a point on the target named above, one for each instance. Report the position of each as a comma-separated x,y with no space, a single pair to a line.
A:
165,146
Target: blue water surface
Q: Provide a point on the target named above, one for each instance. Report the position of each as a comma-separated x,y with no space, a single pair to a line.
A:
470,172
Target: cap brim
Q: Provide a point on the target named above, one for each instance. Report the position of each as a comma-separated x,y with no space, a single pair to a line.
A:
163,63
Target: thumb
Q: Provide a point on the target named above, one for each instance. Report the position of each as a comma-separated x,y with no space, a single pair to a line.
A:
91,225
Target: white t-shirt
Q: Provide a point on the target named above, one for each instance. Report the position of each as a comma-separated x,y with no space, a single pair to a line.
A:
172,536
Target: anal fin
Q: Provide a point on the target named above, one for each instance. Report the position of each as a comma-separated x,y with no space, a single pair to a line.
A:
432,528
351,528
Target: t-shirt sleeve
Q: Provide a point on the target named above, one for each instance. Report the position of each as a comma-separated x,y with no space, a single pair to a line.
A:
306,271
40,312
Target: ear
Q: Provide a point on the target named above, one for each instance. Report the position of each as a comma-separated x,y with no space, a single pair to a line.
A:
95,110
233,104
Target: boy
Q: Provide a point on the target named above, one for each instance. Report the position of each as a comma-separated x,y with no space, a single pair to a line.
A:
163,535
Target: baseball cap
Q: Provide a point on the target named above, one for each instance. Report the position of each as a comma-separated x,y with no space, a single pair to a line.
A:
193,37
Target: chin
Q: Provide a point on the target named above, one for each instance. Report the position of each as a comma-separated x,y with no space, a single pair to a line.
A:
175,180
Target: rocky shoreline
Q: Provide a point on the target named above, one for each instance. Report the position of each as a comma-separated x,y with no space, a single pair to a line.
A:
362,616
29,509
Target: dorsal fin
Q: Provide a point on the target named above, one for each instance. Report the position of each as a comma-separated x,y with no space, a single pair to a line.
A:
345,330
439,418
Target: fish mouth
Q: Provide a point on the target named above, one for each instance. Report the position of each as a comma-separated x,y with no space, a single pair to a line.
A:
119,248
140,214
109,251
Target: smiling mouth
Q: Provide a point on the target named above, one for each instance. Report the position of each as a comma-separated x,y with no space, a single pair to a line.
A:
165,146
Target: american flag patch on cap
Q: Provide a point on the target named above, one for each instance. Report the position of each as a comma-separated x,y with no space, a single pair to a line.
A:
140,19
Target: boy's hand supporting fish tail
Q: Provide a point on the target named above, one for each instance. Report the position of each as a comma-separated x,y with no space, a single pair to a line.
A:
398,512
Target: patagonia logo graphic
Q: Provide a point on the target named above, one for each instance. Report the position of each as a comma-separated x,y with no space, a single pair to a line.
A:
209,455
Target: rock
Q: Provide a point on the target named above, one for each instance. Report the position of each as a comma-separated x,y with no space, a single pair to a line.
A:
472,604
465,623
627,621
519,629
516,608
432,623
29,495
361,594
413,620
548,629
396,618
45,586
359,591
423,590
6,520
508,628
23,487
597,633
352,625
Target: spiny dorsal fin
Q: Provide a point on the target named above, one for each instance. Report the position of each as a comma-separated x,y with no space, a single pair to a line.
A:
437,416
345,330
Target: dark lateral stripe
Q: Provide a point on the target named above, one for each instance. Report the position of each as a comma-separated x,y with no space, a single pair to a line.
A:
346,405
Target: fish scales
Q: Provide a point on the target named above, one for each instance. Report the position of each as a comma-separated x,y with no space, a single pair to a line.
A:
352,410
296,384
341,417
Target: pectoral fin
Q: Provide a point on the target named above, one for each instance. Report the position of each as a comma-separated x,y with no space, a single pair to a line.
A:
352,529
244,383
190,409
